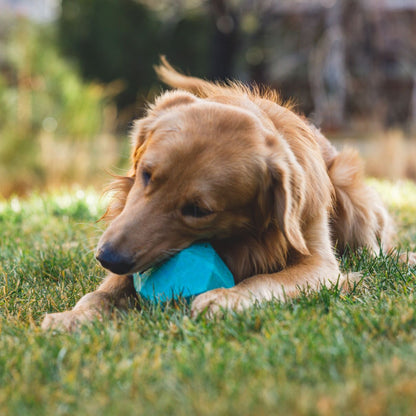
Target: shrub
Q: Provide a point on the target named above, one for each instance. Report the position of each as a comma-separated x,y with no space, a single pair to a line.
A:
50,119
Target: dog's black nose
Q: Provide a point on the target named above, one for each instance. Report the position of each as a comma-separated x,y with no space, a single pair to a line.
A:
114,261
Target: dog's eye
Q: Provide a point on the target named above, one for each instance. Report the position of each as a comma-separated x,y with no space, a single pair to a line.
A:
192,210
146,175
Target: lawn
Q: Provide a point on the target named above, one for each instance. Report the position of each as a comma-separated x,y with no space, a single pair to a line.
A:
324,353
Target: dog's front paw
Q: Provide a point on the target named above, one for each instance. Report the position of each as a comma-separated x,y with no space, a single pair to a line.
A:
68,321
215,302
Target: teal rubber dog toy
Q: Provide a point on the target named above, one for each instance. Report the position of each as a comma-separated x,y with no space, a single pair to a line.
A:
189,273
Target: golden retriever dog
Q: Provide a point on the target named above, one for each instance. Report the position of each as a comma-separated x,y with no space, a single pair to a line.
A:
233,166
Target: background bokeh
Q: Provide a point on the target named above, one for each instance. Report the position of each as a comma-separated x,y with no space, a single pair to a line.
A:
75,73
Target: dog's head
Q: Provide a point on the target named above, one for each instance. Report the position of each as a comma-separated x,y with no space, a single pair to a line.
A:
201,170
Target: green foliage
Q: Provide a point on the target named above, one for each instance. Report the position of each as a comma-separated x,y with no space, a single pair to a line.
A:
55,127
48,115
323,353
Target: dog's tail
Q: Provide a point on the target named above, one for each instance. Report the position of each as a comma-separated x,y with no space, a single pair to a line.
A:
359,218
203,89
173,78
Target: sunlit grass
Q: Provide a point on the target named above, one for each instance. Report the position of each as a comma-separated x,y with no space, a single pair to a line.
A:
400,198
400,195
325,353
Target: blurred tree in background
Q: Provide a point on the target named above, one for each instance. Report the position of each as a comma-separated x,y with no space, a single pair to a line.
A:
123,39
341,60
48,113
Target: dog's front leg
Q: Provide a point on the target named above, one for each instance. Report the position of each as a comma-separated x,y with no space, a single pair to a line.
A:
288,283
112,293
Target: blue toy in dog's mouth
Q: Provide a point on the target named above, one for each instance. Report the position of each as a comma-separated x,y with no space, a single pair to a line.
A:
191,272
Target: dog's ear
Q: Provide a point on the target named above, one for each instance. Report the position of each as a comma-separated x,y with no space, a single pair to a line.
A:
138,138
289,184
120,187
282,200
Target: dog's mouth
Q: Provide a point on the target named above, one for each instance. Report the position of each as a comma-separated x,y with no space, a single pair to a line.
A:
138,267
161,258
119,263
150,265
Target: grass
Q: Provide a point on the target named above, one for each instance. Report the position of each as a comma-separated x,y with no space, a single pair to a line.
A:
322,354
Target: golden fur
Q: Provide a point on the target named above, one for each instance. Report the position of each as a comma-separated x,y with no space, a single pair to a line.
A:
237,167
